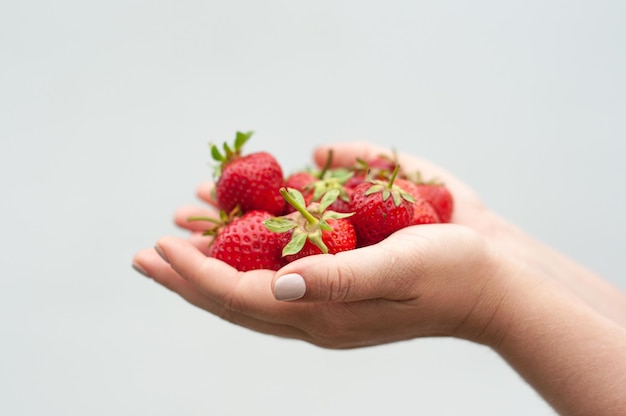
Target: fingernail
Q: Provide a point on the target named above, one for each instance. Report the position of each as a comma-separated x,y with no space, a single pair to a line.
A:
160,252
140,269
289,287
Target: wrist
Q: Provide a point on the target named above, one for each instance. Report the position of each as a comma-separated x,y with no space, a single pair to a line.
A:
541,259
564,349
494,305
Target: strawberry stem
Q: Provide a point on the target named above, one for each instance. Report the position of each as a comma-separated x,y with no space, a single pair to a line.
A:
311,220
393,176
327,164
209,219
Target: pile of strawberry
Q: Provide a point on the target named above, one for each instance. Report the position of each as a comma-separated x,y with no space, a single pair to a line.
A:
268,220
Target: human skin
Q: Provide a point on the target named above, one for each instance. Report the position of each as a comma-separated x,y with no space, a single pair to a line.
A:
479,278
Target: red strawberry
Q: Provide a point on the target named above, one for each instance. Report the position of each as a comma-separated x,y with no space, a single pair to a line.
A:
313,185
246,244
423,211
380,209
383,163
313,229
436,193
379,167
342,203
334,180
439,196
340,237
251,182
302,181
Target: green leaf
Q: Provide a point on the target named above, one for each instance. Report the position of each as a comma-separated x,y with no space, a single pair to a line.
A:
217,172
241,139
280,224
340,174
323,225
397,199
296,244
373,189
407,196
386,194
316,238
215,153
328,198
297,196
228,151
336,215
208,219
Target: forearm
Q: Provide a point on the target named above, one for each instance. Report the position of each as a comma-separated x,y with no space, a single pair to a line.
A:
574,357
596,292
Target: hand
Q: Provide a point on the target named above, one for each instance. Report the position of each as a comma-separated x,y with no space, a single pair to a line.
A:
479,278
362,297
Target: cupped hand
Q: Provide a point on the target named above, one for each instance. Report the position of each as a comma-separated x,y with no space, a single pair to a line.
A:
478,278
435,280
421,281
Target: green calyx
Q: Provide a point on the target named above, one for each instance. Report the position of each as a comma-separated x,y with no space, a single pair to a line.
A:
332,180
216,225
388,189
373,172
417,178
229,153
307,223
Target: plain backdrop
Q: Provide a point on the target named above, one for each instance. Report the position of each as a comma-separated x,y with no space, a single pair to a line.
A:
106,112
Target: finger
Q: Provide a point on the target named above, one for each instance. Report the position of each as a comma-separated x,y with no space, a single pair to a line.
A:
214,278
205,193
201,242
183,214
346,154
236,292
149,263
371,272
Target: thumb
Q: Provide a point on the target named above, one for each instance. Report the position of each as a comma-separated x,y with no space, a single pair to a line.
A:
365,273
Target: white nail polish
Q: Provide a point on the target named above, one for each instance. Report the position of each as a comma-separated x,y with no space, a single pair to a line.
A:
289,287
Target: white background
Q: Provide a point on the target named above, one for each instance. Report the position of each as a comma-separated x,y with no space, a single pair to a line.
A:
106,110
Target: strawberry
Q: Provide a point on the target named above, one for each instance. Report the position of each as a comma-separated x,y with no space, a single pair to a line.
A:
314,185
246,244
313,189
380,209
383,163
334,180
340,237
377,168
423,211
440,198
313,229
251,182
437,194
302,181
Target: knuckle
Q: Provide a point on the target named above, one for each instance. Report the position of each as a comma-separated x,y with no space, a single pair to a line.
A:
339,281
